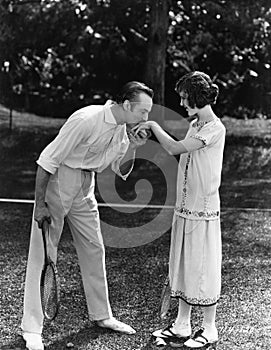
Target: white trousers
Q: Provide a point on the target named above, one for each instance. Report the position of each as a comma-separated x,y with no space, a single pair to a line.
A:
70,194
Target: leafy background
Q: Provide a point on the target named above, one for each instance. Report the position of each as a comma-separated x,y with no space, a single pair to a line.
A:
65,54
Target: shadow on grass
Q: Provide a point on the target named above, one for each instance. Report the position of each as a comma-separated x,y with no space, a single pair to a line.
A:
17,344
75,340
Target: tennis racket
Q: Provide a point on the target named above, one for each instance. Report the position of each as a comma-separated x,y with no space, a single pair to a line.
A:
165,299
49,290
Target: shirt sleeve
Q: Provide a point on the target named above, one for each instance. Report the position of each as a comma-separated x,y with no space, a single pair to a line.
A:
70,135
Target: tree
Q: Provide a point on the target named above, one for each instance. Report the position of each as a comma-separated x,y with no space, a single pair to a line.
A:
87,49
157,49
230,40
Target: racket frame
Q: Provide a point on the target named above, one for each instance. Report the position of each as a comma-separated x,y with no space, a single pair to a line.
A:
48,262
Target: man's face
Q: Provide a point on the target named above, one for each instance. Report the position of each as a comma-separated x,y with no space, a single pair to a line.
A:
138,111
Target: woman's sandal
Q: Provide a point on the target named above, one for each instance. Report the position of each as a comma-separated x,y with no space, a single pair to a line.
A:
166,336
200,342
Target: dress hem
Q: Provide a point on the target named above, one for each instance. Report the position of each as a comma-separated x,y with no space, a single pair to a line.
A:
195,301
195,304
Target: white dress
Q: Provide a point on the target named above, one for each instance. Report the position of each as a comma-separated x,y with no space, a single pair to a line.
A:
195,252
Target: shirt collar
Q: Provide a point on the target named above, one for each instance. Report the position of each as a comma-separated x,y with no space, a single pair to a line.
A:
108,115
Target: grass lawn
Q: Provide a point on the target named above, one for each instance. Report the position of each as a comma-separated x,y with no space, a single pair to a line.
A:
136,275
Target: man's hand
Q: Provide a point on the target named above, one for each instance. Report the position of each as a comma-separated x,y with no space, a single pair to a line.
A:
41,214
143,128
136,140
145,134
139,134
41,211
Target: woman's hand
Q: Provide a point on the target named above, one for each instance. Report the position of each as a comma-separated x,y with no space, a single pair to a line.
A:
142,127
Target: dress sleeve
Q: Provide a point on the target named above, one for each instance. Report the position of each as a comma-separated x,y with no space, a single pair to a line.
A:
207,135
192,144
70,135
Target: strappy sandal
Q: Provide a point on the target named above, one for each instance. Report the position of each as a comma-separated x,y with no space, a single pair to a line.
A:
166,336
200,342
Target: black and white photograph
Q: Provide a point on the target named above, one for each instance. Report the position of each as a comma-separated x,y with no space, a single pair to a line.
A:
135,167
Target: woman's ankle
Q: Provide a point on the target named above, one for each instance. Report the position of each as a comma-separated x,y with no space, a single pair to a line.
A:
210,332
182,328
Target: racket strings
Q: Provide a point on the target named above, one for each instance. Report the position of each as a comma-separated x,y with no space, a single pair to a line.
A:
49,293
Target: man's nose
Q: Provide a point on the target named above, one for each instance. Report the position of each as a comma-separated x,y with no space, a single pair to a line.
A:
145,117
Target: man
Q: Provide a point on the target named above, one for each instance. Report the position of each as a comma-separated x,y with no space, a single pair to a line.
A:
90,140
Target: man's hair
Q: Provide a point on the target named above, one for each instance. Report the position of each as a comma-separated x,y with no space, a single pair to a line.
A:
131,90
199,87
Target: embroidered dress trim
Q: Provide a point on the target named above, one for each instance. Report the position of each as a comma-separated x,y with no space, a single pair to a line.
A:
199,137
195,301
185,179
200,124
200,214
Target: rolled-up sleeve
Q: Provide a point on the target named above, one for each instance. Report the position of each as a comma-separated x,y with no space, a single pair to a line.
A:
70,135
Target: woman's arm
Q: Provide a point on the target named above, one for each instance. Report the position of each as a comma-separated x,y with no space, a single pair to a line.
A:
172,146
168,143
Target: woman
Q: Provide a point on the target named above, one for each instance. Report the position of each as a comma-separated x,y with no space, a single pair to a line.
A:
195,251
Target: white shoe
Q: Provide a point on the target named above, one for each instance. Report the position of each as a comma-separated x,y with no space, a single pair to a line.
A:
201,340
116,325
33,341
169,331
168,335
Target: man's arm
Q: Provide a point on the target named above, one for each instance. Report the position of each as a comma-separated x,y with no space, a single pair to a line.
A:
41,211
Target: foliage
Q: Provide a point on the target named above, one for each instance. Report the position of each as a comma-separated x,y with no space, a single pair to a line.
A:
230,40
64,54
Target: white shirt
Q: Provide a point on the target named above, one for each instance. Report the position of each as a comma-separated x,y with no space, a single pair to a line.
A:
199,172
89,139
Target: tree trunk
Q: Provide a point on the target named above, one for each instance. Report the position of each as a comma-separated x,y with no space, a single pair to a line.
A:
156,54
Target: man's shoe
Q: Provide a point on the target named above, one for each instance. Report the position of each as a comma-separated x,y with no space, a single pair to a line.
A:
115,325
33,341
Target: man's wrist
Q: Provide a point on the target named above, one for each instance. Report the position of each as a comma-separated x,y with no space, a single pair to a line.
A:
40,203
133,146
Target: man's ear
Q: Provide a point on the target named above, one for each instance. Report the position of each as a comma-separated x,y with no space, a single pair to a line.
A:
126,105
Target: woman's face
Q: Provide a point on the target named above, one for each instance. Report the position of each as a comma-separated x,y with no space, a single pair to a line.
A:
184,103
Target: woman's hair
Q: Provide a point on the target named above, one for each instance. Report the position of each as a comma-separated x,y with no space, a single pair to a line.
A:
199,87
131,90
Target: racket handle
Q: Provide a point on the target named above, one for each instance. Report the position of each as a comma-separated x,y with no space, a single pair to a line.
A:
45,236
45,226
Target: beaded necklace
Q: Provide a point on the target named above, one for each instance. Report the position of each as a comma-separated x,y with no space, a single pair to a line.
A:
201,123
